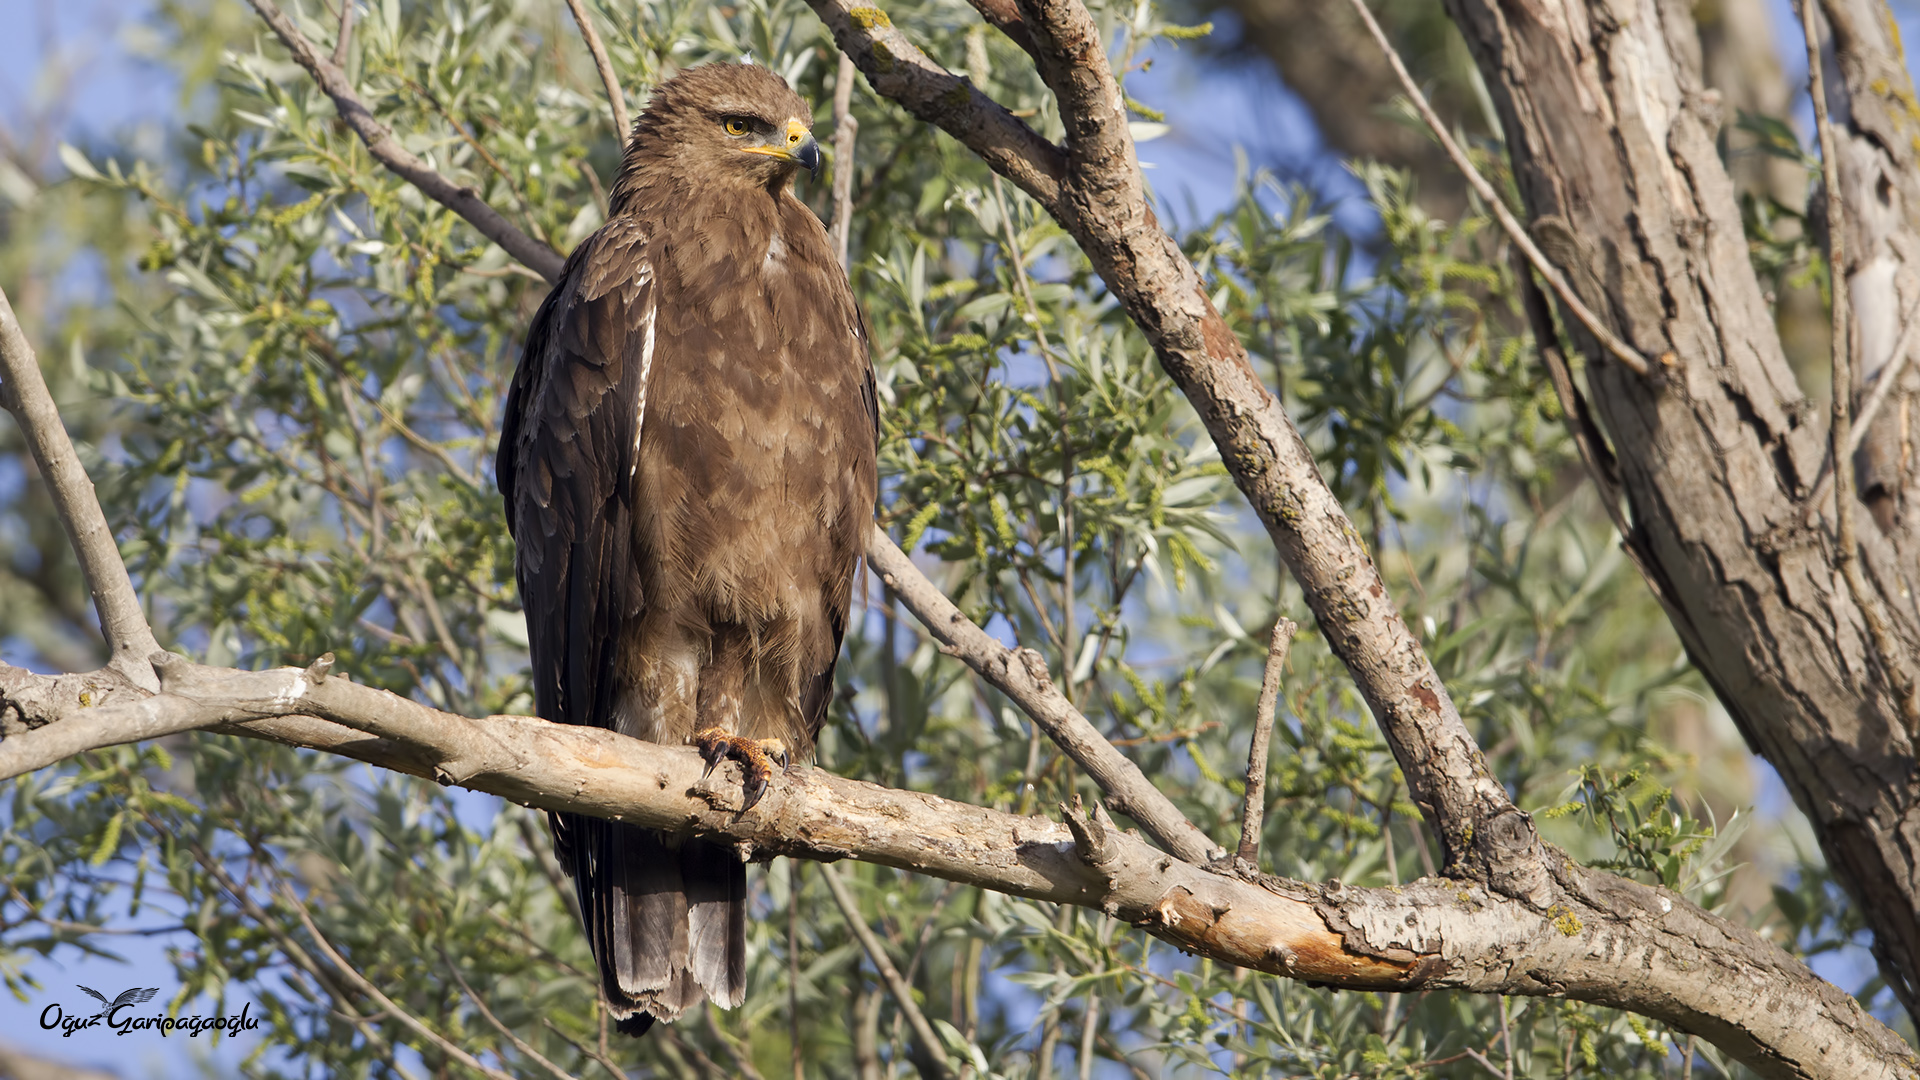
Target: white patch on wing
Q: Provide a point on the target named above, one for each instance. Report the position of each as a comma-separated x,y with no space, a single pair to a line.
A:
646,371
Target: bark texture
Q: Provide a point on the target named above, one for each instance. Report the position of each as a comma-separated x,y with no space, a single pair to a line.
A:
1612,136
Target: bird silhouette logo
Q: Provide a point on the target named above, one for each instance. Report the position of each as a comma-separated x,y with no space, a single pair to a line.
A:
135,996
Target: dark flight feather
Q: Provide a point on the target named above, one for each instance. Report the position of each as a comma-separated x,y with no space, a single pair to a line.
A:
687,460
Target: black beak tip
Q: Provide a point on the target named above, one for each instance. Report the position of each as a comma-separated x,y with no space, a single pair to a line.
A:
809,155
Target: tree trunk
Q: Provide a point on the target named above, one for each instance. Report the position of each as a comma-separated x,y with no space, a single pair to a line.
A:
1612,137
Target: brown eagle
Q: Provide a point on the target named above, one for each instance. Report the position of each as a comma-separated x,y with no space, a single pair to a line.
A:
688,464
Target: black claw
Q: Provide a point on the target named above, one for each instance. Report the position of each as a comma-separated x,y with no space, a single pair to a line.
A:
752,789
713,752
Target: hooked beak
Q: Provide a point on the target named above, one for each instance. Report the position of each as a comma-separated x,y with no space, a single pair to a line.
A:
799,146
808,154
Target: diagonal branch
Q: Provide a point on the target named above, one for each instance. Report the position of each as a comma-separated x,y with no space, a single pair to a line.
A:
616,97
897,68
23,392
1096,192
387,150
1021,674
1610,941
1542,265
387,1005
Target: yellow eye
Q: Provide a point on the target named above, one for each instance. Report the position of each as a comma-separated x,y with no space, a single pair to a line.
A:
736,125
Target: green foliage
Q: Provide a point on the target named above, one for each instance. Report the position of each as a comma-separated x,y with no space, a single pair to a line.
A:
305,372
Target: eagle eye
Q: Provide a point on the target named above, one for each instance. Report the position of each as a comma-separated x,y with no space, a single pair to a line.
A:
738,125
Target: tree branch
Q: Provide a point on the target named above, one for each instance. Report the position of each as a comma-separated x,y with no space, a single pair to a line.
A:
1021,674
387,150
23,392
1611,941
616,97
845,130
1095,191
343,40
897,68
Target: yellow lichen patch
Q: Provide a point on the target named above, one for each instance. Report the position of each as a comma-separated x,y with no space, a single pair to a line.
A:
882,57
1564,920
869,17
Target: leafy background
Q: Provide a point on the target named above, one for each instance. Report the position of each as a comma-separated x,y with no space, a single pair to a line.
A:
286,370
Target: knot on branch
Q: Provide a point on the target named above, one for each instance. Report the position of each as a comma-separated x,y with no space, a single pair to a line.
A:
1093,834
1514,860
1034,665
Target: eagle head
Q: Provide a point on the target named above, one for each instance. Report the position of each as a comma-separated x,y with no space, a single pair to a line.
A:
720,126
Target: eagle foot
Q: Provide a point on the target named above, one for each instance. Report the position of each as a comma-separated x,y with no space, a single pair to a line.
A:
756,758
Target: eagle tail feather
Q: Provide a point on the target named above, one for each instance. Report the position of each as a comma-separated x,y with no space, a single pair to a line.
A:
716,884
666,921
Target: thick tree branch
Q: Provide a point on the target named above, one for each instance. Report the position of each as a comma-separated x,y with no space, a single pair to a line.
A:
387,150
1613,135
23,393
1097,194
1021,674
1610,941
897,68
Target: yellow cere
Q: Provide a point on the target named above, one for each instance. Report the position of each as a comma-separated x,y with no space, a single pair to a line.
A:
796,134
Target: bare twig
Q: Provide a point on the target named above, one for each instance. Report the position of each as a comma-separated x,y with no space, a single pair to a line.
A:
1089,1027
344,39
932,1057
1021,674
616,97
1892,657
392,1008
387,150
845,130
23,392
519,1044
793,969
298,954
1882,389
1254,813
734,1047
1610,341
